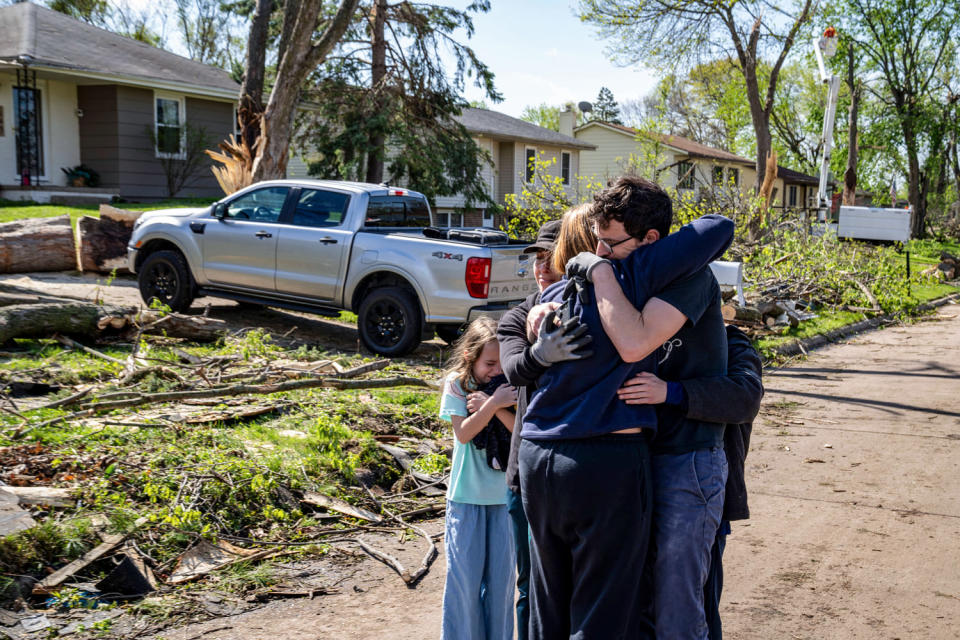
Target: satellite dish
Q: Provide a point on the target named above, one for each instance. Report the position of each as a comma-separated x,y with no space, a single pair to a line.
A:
585,107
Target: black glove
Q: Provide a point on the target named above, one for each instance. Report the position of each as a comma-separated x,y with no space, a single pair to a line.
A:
559,343
583,264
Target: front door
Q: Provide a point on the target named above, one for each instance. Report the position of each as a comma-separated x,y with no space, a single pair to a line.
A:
314,246
240,250
29,139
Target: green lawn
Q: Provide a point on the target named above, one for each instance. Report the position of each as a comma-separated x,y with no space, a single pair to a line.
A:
11,210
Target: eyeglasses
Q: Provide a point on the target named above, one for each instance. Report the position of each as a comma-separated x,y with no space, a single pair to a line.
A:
610,245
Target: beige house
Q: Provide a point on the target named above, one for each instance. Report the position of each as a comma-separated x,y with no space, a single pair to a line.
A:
681,164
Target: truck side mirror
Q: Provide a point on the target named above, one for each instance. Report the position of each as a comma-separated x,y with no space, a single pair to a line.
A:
220,210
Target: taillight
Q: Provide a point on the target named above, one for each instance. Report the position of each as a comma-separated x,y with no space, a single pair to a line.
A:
478,277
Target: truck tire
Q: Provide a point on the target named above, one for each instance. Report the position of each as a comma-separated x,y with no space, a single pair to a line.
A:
389,321
164,276
449,332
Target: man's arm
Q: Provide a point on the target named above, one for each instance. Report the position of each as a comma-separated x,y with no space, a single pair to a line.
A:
732,399
635,334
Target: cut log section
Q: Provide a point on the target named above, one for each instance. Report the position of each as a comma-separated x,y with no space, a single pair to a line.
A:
102,242
37,244
732,312
90,320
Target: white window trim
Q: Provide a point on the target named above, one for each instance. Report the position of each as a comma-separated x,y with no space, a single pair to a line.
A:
692,177
536,156
182,109
569,167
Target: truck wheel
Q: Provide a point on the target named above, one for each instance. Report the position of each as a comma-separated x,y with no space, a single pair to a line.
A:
449,332
389,321
165,276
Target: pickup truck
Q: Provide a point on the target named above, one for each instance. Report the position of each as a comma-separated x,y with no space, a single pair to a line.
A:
325,246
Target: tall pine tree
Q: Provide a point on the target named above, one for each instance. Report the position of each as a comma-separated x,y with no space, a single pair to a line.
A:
606,107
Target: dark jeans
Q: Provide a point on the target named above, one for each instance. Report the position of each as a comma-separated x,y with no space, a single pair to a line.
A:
714,586
588,503
689,492
521,539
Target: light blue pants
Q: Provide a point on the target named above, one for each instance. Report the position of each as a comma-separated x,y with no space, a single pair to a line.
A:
478,594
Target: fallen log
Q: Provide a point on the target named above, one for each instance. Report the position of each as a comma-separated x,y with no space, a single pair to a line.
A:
37,244
53,496
732,312
102,242
86,319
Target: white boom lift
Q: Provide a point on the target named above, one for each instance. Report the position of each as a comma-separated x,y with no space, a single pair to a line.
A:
863,223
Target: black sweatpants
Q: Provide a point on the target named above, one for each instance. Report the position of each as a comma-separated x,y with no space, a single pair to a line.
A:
589,504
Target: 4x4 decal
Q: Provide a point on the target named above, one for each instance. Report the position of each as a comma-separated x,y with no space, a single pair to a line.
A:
447,256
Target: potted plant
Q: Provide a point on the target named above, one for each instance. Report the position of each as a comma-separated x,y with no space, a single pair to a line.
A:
81,176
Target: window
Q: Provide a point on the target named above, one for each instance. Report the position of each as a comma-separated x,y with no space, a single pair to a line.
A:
718,176
262,205
237,129
449,219
28,124
397,211
168,126
685,177
792,195
565,167
317,208
530,166
733,177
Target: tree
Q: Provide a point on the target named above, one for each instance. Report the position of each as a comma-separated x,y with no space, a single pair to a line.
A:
205,28
904,45
124,20
298,56
548,115
388,103
606,108
669,33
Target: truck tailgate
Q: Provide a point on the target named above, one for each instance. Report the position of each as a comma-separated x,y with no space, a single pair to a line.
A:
511,276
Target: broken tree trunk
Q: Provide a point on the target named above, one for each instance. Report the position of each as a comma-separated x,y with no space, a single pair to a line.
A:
102,242
90,320
37,244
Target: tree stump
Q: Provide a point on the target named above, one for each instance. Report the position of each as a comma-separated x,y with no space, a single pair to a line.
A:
37,244
102,243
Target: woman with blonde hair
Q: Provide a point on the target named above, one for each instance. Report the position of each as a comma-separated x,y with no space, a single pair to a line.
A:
584,460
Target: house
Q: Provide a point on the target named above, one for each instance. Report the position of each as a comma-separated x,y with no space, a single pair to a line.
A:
684,164
71,93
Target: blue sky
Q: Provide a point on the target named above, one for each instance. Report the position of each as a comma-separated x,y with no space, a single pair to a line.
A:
541,52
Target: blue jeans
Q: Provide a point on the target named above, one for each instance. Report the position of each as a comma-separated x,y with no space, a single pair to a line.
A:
478,593
714,587
521,539
688,504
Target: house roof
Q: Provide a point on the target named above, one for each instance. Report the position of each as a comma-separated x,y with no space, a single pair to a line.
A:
500,125
693,148
46,38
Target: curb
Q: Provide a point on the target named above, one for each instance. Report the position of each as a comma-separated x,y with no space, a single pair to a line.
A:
801,347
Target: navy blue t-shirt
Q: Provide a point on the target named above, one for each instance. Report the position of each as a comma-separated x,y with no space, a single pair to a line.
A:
578,398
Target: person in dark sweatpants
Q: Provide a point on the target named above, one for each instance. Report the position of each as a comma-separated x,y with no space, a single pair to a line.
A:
584,460
735,400
522,370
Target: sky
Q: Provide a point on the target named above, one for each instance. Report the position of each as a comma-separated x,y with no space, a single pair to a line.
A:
541,52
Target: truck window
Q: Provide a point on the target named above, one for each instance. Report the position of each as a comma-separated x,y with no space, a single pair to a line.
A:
316,208
262,205
397,211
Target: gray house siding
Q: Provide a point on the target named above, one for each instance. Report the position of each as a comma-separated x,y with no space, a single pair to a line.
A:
117,141
98,132
506,178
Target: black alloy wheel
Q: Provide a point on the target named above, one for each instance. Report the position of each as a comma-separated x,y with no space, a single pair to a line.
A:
165,277
389,321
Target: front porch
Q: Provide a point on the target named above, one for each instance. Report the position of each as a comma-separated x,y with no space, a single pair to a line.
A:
57,194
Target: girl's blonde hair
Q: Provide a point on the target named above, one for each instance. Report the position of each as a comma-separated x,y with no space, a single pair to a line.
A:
467,348
576,235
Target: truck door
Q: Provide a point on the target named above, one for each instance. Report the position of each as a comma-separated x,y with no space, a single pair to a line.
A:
314,244
240,249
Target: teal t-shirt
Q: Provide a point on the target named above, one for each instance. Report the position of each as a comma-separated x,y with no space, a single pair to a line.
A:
472,481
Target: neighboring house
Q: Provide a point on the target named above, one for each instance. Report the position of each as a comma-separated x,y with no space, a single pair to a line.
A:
685,165
72,93
511,144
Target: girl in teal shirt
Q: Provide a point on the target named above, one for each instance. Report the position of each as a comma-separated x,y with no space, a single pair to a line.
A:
478,593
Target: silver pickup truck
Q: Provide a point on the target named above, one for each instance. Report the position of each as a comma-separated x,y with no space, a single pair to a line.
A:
323,246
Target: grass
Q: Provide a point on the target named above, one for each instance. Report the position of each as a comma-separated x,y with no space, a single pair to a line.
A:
11,210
